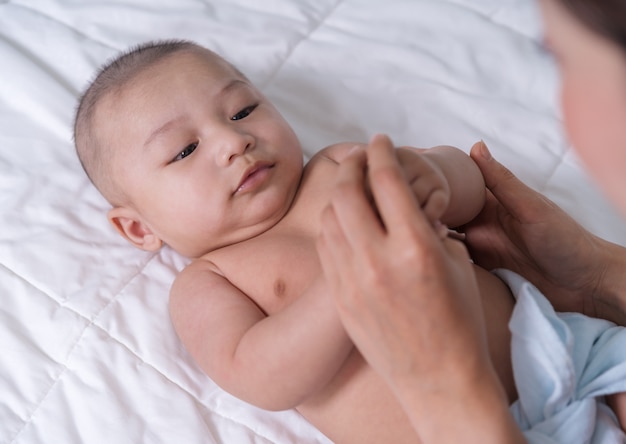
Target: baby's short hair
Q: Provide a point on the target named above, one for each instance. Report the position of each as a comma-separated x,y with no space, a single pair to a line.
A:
112,76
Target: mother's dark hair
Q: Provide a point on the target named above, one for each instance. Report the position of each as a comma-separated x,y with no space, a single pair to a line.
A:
606,17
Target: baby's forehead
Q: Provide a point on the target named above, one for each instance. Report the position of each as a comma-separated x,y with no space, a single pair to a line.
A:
198,59
156,83
160,74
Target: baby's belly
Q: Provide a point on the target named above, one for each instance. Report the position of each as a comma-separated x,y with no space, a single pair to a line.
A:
357,405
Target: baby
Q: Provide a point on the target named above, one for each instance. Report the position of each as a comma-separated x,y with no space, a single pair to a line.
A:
190,154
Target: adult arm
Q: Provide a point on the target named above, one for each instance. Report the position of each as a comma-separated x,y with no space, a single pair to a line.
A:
275,362
409,301
523,231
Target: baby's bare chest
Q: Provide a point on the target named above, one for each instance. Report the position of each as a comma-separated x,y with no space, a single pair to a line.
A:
276,267
272,270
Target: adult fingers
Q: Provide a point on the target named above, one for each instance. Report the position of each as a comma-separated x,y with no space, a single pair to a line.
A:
352,210
516,197
394,198
333,248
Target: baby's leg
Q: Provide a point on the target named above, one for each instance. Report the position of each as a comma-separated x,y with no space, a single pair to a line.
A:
618,403
498,303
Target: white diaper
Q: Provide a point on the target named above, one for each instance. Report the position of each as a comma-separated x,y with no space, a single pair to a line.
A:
563,363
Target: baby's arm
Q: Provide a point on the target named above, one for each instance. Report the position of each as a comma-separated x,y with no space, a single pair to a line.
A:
446,181
274,362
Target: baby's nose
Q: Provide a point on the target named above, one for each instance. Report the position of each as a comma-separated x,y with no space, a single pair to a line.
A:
233,146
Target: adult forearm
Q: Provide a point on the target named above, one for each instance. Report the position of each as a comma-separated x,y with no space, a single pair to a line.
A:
475,412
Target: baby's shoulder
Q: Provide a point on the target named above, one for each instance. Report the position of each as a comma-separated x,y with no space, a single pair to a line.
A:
199,271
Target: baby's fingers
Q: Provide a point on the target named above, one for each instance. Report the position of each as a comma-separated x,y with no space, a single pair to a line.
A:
435,204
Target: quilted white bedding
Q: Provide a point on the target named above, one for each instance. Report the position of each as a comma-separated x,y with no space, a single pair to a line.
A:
88,354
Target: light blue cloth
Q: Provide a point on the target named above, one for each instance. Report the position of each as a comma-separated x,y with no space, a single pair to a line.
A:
563,363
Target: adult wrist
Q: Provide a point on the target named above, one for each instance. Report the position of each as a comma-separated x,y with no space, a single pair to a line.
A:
609,297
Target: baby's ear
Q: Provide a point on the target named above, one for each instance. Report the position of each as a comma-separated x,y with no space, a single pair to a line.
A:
129,224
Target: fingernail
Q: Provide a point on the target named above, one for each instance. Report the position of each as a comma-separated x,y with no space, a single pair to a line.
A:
484,151
354,149
377,136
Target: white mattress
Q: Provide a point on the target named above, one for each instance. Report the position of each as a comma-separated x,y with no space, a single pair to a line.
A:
88,354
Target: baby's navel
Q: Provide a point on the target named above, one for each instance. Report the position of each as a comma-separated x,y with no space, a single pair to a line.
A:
279,288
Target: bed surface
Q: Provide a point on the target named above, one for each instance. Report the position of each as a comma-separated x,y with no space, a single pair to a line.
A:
88,351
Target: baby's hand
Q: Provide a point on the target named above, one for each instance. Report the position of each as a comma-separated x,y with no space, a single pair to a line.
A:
428,183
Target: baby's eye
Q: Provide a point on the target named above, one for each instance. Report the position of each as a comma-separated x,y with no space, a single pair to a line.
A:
186,152
244,113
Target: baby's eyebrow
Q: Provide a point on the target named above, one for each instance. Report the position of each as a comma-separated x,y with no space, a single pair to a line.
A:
233,84
162,129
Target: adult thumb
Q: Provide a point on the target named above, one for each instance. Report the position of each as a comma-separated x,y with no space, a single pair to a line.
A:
511,192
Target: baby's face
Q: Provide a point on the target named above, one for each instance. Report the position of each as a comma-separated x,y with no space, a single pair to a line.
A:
204,158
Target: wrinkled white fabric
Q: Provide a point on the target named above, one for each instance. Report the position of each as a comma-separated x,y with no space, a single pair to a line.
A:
88,351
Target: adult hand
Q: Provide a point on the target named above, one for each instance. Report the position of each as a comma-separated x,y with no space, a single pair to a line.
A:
523,231
409,300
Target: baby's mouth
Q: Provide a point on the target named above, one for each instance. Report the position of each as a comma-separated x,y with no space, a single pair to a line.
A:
254,176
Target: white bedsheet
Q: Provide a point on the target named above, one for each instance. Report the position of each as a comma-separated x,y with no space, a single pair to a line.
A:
88,354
